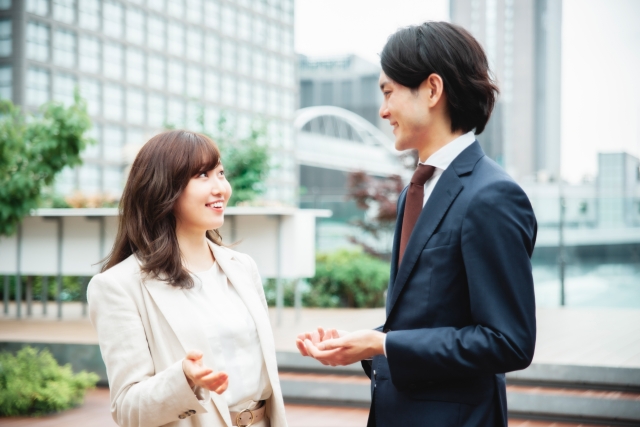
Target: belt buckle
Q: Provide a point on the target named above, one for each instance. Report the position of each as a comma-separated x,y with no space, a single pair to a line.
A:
242,412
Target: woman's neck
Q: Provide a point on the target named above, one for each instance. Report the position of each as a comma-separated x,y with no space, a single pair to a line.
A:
194,248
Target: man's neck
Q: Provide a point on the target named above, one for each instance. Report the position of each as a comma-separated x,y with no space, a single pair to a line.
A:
436,139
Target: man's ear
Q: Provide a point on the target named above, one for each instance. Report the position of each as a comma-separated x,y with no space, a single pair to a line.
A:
432,88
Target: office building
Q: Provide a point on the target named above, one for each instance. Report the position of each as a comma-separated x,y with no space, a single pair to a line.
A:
522,40
145,64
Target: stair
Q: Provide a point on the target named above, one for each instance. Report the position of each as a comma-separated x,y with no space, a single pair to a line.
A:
555,393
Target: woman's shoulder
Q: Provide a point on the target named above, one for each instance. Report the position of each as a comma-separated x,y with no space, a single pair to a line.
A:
126,270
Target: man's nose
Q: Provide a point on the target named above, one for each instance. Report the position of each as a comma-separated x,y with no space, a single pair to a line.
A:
383,112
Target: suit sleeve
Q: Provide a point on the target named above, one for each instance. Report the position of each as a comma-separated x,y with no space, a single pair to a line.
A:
140,396
497,240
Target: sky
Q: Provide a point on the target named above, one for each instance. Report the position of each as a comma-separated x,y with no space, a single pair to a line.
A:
600,63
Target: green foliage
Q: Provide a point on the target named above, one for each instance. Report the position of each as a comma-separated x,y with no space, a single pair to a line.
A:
33,149
32,383
246,160
72,288
347,278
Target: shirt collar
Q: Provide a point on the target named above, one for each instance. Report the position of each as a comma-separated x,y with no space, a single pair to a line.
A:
442,158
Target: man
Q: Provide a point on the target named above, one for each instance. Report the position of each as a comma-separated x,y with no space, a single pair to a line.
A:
460,304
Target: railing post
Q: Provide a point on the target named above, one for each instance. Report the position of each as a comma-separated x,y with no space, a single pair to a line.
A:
298,299
59,267
18,273
561,255
6,294
279,284
29,295
85,282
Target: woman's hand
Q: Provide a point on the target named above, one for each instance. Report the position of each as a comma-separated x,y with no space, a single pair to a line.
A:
199,375
317,337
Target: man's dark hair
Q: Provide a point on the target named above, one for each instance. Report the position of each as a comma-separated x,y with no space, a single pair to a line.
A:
414,53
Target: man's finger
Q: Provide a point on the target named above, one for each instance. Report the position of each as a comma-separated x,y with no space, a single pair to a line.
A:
325,357
320,333
331,344
301,348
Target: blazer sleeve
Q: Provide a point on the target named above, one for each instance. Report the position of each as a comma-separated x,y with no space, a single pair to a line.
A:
140,396
497,240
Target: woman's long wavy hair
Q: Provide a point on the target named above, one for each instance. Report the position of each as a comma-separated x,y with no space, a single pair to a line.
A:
147,225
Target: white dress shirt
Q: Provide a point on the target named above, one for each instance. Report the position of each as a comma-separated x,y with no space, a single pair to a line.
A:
441,160
233,337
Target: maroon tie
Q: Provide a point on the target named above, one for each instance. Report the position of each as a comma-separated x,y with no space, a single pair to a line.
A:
413,204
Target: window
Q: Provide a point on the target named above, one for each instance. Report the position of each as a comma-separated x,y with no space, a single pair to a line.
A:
135,66
273,69
113,142
175,8
212,12
176,38
135,26
66,181
212,50
93,151
244,60
260,6
228,20
157,5
194,113
89,179
64,10
175,112
259,32
5,4
244,126
135,106
259,98
212,86
176,77
113,60
112,107
113,178
346,93
37,86
211,118
37,41
194,11
287,41
155,33
272,37
274,101
156,69
6,82
112,18
288,76
194,82
228,90
90,90
63,87
244,26
306,93
244,94
156,110
259,64
89,14
39,7
228,55
89,54
194,44
5,37
64,48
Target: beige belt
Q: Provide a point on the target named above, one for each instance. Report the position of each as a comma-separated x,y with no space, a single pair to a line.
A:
248,417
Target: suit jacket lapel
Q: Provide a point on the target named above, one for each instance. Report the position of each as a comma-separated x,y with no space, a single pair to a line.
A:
445,192
236,272
175,307
396,247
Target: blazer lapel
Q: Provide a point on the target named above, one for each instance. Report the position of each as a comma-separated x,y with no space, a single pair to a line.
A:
174,306
444,193
396,247
236,272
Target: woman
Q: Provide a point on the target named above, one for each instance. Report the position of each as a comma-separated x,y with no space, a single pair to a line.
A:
182,321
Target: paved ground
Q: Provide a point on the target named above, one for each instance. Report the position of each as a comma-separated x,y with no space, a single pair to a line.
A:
95,413
575,336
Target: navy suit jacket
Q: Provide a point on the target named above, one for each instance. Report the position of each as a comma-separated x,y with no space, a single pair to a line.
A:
460,306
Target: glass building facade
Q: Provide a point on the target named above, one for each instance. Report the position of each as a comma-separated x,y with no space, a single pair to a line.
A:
143,65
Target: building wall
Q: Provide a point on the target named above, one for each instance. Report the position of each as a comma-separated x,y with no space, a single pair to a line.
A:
142,65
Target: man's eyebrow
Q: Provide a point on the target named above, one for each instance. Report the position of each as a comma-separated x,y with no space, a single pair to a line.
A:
383,84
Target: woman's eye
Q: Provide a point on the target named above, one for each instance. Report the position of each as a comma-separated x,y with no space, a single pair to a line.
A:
222,172
203,175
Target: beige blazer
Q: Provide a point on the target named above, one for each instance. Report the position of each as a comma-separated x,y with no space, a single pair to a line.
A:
145,327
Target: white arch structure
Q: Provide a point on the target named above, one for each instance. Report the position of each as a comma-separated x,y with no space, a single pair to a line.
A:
335,138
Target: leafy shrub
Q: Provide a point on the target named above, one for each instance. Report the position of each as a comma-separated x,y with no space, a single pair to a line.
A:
32,383
347,278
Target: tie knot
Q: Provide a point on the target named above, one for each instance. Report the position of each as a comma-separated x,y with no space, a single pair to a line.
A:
422,174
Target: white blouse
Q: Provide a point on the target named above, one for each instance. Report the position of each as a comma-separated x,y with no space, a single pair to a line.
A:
233,337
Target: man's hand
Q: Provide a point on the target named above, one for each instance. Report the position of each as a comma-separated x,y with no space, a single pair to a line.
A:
347,349
316,337
199,375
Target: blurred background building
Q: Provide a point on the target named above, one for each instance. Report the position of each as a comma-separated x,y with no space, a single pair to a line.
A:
522,40
144,65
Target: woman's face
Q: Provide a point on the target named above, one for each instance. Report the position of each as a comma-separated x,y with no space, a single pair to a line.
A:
201,205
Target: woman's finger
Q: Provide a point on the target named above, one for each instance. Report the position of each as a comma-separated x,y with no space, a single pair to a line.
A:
301,348
320,333
194,355
199,373
222,388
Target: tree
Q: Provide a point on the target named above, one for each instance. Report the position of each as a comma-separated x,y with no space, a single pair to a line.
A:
378,197
246,160
33,149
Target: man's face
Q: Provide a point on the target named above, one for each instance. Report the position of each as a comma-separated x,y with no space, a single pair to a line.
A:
407,111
